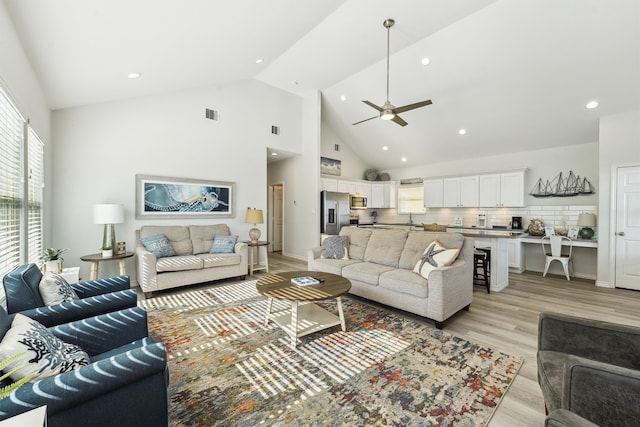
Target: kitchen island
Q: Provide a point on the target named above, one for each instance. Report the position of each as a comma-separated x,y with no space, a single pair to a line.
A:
497,241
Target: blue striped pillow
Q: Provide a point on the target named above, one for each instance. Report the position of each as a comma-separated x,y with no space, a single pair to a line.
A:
158,245
223,244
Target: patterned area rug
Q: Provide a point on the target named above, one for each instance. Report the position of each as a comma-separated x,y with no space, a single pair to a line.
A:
228,368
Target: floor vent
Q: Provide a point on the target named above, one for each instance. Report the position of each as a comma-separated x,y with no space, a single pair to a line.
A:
275,130
211,114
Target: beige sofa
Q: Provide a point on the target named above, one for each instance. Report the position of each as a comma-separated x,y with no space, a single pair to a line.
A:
380,268
193,263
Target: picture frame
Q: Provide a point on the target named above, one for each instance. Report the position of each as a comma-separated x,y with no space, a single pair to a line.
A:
549,231
330,166
573,232
167,197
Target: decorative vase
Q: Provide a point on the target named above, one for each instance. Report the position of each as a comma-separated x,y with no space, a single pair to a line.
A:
536,227
53,266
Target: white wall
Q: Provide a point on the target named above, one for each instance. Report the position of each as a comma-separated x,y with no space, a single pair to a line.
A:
352,166
301,197
619,145
100,149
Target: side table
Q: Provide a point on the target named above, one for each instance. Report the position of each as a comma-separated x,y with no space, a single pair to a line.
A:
95,260
256,251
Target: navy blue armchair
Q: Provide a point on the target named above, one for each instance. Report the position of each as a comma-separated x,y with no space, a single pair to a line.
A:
124,385
96,297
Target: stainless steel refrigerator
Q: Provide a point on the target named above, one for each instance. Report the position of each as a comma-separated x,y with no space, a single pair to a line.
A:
334,211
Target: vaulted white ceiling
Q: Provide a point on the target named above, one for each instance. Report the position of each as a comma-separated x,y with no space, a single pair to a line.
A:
515,74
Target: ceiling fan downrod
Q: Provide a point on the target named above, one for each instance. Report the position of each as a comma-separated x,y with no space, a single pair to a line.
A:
387,109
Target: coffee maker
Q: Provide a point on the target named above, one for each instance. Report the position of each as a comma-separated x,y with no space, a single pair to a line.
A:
516,222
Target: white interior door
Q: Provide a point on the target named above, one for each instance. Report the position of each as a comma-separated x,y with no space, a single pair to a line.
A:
628,228
277,218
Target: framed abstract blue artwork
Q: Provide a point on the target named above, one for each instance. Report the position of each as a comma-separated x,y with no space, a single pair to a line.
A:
165,197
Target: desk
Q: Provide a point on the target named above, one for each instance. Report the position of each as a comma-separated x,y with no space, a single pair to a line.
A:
577,243
255,250
584,257
95,260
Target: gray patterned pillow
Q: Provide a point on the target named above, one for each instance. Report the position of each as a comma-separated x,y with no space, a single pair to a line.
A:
54,289
158,245
335,247
43,353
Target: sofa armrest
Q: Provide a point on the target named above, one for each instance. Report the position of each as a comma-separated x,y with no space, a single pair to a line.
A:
601,392
242,249
65,312
99,334
312,255
99,380
450,289
592,339
564,418
147,274
91,288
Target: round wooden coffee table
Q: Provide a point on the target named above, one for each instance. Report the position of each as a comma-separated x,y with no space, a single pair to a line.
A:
304,317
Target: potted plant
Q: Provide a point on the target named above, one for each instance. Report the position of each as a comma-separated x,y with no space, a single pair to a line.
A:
52,259
10,388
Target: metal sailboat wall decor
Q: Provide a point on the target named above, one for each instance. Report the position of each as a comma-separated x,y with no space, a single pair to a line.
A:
560,186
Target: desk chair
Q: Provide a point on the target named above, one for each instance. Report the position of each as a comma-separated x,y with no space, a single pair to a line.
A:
552,248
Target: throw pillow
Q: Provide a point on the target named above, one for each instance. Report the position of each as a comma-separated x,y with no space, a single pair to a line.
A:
158,245
433,257
43,353
223,244
335,247
54,289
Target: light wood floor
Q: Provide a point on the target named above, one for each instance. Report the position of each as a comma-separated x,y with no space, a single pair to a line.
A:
508,321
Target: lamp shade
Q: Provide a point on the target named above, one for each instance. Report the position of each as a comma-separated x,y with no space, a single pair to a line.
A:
587,220
254,216
108,214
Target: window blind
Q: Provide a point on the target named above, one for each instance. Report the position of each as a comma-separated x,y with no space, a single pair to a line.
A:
411,199
35,191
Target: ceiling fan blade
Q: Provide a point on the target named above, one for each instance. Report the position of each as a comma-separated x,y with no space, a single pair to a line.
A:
397,119
411,106
365,120
371,104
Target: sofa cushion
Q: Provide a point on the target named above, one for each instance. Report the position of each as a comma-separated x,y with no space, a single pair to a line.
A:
406,282
358,239
435,256
202,236
158,245
223,244
385,247
219,260
179,263
54,289
417,241
176,234
335,247
365,272
334,266
43,353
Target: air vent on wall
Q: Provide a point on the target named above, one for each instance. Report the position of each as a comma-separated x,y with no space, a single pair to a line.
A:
336,147
211,114
275,130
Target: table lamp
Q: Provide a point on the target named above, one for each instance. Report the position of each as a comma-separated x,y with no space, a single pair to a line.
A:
586,220
109,215
254,216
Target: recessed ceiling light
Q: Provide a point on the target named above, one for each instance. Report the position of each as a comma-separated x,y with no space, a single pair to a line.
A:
134,75
591,105
385,148
274,154
259,60
462,131
343,98
404,159
425,61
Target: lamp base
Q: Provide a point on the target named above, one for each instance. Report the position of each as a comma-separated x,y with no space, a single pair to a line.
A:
254,235
586,233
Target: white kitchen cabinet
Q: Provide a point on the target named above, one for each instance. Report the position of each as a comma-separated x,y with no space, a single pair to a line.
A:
460,192
329,184
503,189
363,189
433,194
346,187
383,195
516,256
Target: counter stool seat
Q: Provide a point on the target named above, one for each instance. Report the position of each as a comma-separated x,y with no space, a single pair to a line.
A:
481,259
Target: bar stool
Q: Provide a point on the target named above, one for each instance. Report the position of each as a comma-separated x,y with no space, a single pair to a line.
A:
481,262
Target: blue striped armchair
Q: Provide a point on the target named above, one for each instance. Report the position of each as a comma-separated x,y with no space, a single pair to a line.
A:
96,297
125,383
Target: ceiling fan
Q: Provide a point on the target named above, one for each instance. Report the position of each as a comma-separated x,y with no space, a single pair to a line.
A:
388,111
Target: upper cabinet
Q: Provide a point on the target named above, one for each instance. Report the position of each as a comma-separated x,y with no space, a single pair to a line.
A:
363,189
460,192
329,184
383,195
502,190
346,187
433,195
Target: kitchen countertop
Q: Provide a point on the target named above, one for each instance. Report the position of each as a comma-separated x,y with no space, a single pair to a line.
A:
487,232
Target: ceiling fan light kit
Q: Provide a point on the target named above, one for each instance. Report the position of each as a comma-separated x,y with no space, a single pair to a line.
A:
388,111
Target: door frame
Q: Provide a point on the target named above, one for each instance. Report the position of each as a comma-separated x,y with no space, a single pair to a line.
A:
270,216
613,218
